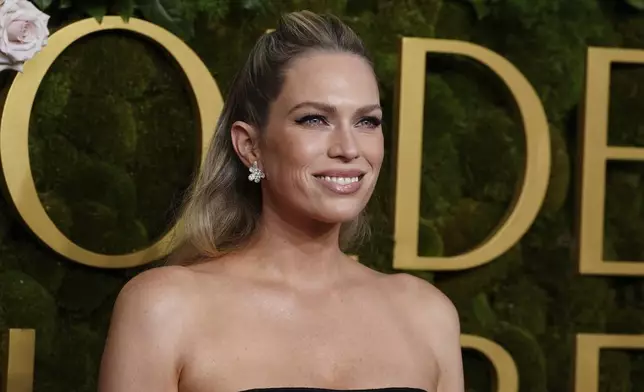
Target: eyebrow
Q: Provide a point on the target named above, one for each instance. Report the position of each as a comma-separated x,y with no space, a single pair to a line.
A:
330,108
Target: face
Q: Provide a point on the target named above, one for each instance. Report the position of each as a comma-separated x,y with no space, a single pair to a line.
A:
323,145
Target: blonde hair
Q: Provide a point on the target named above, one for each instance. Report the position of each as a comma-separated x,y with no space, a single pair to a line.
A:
222,207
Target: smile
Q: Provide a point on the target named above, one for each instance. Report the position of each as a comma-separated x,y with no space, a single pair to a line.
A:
339,180
343,185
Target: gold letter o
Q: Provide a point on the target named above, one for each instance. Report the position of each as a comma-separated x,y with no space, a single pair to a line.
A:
14,133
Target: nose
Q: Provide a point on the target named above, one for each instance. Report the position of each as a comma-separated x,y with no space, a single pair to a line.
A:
344,145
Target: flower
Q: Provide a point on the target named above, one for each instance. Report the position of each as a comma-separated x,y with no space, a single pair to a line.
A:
23,32
6,63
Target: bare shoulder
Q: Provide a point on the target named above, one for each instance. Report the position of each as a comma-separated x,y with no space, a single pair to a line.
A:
155,296
437,322
145,341
426,302
158,286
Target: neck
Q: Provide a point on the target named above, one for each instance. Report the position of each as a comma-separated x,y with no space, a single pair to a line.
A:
296,251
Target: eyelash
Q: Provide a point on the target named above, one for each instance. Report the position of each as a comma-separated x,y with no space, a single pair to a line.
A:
305,119
374,121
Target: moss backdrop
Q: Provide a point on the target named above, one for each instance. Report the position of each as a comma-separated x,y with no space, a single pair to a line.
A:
112,148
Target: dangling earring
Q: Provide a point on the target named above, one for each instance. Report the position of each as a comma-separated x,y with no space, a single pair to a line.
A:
256,174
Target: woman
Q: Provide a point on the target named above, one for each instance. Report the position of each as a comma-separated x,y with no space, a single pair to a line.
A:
295,159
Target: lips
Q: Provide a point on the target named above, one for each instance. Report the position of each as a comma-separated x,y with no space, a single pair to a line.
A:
342,182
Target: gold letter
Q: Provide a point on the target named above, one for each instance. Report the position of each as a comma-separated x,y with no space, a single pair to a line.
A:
596,153
587,357
507,376
20,361
14,133
410,144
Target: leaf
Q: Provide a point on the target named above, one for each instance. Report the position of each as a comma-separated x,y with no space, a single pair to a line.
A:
252,5
125,8
638,4
65,4
42,4
157,12
96,11
166,11
480,8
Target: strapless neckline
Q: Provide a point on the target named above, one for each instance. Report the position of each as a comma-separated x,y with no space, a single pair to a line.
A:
315,389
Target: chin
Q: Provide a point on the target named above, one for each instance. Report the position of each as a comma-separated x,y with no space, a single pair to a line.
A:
336,214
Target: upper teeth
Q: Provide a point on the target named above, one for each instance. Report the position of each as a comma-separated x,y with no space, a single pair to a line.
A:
340,180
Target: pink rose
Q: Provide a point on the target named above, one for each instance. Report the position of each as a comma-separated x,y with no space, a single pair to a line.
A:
23,32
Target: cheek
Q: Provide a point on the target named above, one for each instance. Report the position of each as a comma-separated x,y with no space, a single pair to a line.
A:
374,151
289,156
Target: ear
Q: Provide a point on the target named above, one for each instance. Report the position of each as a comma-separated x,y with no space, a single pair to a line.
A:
245,139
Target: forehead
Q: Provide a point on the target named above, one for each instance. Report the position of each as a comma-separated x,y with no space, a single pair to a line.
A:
334,78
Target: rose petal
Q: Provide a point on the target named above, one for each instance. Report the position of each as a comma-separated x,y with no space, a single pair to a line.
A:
22,52
19,56
6,63
16,67
7,3
4,41
4,59
17,30
27,5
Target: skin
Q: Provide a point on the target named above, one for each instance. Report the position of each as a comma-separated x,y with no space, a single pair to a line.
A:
290,309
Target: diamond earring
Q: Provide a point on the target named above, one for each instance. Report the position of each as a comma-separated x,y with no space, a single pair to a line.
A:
256,174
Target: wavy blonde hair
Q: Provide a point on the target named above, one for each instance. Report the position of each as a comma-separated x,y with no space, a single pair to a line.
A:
222,208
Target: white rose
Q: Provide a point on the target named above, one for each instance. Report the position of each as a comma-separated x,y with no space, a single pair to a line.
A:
5,63
23,30
3,2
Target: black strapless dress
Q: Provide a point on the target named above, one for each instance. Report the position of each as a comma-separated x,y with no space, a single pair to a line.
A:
313,389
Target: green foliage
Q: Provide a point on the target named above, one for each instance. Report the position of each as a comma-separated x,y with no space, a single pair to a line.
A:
615,368
112,147
178,16
104,169
639,4
27,304
42,4
527,354
112,144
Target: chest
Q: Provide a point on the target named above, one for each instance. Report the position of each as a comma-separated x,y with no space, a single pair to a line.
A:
339,348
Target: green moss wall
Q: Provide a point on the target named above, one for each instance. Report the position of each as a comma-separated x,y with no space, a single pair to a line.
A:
112,147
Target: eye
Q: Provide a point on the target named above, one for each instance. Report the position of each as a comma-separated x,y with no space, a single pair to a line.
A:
370,122
312,120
